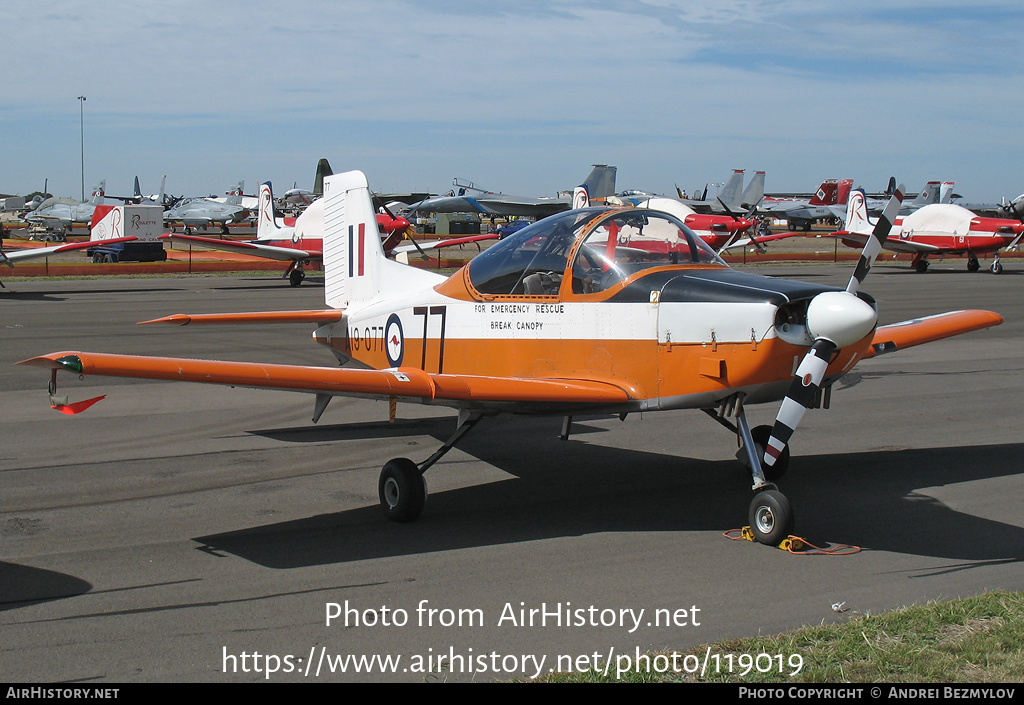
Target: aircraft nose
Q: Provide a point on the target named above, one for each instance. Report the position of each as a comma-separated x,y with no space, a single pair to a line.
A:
840,317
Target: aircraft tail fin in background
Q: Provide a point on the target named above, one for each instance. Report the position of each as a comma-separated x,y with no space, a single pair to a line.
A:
843,192
97,193
601,181
266,226
356,270
826,194
729,194
754,192
929,194
580,198
323,170
857,213
946,192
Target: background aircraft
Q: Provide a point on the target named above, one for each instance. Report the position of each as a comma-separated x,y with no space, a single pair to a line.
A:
203,212
66,213
302,242
600,183
731,198
936,229
801,214
557,320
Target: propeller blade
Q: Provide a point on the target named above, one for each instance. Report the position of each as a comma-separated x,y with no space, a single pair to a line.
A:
879,235
800,395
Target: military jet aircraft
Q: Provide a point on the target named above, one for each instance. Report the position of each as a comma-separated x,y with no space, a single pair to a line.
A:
65,213
203,212
599,184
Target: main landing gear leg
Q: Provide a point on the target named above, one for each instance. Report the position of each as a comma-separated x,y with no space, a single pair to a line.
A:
403,489
770,515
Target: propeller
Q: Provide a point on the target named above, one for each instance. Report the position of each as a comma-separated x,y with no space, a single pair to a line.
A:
749,226
835,319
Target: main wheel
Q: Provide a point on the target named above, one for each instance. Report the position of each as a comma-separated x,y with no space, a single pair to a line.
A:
973,265
761,434
296,276
770,517
402,490
921,266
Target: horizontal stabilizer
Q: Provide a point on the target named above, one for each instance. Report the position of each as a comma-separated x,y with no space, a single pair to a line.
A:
316,317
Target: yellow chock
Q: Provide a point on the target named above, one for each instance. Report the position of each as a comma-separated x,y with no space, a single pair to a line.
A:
792,544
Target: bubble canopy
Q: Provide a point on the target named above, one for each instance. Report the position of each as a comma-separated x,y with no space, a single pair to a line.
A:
595,248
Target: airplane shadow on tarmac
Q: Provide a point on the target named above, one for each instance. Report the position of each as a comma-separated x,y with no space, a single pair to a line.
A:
574,488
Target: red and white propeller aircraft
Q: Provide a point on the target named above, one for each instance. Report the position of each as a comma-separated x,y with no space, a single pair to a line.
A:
937,229
303,240
560,319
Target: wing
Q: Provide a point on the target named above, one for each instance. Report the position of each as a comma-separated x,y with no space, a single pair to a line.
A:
907,334
745,241
892,244
36,252
283,254
403,383
438,244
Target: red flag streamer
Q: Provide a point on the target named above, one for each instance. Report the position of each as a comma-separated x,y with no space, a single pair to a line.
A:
78,407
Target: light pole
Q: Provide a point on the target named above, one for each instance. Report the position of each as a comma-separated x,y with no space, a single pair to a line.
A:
81,120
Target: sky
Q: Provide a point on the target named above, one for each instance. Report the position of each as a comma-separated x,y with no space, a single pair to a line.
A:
517,96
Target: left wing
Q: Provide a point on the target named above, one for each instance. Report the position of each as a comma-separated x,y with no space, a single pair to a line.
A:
283,254
406,383
10,258
917,331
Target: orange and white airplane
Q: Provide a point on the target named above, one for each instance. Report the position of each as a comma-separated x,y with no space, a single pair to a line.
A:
302,241
562,319
936,229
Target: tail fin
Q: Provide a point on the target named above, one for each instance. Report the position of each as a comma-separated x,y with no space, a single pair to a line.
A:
266,226
929,194
843,193
600,183
234,196
323,170
857,213
754,192
356,270
729,194
97,193
580,197
826,193
138,191
946,192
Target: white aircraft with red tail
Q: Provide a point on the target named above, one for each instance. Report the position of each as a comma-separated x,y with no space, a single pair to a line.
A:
937,229
562,319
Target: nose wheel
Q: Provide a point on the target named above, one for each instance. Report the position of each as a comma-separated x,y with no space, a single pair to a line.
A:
770,517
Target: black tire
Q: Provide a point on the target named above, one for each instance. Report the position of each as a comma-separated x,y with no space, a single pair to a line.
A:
973,265
761,434
770,517
997,268
296,276
402,490
921,266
